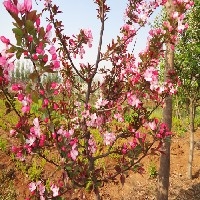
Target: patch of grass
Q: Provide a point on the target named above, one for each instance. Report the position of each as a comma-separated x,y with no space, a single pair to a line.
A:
157,114
3,144
7,189
7,120
180,126
152,170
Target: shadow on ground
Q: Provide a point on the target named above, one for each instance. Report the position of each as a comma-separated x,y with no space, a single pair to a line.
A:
192,193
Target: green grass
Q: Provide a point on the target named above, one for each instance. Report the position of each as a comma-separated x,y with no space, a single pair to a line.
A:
7,189
3,144
7,120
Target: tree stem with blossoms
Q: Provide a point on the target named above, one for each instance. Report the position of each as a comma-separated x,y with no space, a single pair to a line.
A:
88,123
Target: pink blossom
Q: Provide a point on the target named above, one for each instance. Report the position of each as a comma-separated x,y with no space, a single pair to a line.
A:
40,50
32,186
133,100
28,5
175,15
21,7
181,26
101,103
81,52
10,6
56,64
92,121
48,31
16,87
52,50
45,102
47,2
41,189
133,143
109,138
37,22
37,130
152,125
88,34
92,147
26,109
12,132
54,85
5,40
74,152
118,117
55,190
151,74
30,141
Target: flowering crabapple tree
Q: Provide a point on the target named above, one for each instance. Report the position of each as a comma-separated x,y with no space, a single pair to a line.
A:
86,123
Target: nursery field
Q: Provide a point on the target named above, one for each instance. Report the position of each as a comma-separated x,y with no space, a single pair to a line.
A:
15,176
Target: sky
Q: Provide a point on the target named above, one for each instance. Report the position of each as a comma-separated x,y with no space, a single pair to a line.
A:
81,14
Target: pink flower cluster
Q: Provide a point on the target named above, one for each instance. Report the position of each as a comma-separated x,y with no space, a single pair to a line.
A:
40,188
76,43
26,6
6,65
71,143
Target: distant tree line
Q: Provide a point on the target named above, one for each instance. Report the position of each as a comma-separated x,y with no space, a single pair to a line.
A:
23,69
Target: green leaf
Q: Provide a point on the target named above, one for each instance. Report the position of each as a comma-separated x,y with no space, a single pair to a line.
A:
12,49
17,32
18,54
30,27
18,35
89,186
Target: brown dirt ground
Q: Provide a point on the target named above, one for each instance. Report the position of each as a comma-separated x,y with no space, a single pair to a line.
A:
13,184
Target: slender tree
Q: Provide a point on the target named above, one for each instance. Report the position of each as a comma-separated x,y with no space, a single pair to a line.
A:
164,171
187,63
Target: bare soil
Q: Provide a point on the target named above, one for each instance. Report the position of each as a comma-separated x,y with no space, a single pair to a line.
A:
13,183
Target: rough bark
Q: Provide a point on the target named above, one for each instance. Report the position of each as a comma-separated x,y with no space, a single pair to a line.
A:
191,148
164,171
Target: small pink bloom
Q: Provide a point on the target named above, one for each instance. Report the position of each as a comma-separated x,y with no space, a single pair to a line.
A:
32,186
55,190
25,109
28,5
16,87
55,106
36,127
12,132
133,100
10,7
20,7
41,189
101,103
45,102
54,85
52,50
5,40
35,57
56,64
152,125
109,138
74,152
45,58
31,140
37,22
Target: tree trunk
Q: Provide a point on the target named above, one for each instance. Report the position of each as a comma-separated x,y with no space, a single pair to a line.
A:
97,195
191,149
164,171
